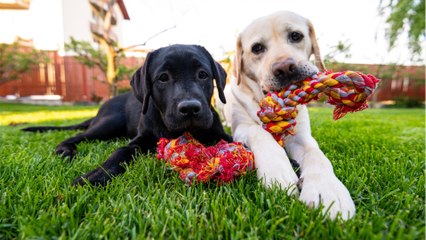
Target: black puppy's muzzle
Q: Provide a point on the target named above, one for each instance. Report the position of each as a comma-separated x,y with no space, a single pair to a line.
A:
187,114
189,108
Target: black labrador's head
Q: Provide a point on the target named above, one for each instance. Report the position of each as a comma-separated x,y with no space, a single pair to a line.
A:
178,81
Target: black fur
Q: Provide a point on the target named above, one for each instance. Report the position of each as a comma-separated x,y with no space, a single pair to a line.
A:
171,94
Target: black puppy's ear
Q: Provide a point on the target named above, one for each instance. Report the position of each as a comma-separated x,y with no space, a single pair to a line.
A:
141,84
219,74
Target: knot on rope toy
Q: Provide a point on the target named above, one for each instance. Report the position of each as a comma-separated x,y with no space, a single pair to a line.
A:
222,162
348,91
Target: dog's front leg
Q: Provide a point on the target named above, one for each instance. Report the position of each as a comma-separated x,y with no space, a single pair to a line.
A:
319,184
272,163
113,166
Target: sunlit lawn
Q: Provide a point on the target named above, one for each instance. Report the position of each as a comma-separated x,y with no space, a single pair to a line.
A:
378,154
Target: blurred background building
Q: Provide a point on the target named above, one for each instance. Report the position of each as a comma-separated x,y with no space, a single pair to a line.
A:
56,22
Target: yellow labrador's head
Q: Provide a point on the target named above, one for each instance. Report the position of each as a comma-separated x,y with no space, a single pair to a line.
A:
274,51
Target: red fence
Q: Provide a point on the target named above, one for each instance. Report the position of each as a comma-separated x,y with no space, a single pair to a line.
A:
83,83
66,77
398,82
75,82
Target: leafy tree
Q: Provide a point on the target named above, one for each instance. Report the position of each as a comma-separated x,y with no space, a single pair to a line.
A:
405,15
342,48
16,59
108,55
107,60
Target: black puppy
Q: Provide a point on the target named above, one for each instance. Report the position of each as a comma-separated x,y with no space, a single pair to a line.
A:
171,94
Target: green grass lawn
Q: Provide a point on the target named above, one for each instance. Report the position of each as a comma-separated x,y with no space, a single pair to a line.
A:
378,154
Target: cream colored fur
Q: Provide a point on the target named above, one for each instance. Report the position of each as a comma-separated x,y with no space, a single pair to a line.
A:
253,76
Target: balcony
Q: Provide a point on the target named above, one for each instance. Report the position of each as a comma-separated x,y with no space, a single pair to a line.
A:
100,8
15,4
99,31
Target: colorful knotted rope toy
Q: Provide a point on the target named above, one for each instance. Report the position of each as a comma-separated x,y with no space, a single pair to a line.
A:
222,162
347,90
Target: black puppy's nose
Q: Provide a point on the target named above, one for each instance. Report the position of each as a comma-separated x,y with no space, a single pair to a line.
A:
284,69
189,107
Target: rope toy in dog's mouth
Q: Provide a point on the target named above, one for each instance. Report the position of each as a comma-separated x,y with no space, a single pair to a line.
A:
348,91
222,162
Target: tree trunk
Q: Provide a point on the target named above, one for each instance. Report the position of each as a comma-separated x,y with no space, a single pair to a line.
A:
111,73
113,89
111,67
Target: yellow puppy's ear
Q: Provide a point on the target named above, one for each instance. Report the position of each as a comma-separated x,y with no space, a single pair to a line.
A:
238,64
315,48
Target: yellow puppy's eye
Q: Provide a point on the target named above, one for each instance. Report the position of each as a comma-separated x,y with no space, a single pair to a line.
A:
295,37
258,48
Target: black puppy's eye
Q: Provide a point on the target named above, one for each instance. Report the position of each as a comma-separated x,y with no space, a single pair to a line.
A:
257,48
295,37
203,75
163,77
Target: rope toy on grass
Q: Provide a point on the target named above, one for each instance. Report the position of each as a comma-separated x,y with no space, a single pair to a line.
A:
222,162
348,91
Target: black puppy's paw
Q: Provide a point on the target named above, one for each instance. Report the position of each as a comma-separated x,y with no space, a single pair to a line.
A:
66,151
97,177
